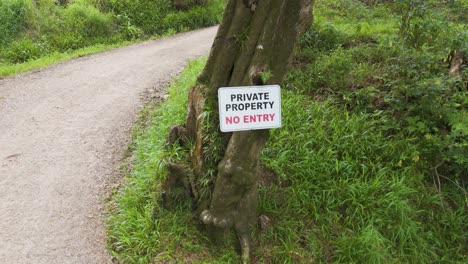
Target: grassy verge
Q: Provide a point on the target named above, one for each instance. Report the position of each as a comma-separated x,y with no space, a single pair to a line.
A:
38,34
57,57
43,62
139,230
342,190
353,176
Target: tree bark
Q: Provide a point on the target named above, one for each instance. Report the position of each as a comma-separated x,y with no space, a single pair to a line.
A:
255,37
456,63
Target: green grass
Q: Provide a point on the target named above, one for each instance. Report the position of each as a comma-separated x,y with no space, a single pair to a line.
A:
351,193
139,229
343,191
43,62
34,36
367,167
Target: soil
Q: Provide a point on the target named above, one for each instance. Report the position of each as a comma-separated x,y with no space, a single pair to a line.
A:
63,132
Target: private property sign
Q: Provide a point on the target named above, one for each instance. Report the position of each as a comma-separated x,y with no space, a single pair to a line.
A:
249,107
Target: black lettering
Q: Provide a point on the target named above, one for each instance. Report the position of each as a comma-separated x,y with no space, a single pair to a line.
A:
253,106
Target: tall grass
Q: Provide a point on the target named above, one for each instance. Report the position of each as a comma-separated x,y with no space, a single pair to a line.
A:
349,192
14,16
373,66
29,32
338,188
369,166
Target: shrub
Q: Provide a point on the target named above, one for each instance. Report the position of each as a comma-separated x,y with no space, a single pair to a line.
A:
84,19
322,38
199,16
147,15
350,192
47,19
22,50
67,41
400,72
127,29
13,18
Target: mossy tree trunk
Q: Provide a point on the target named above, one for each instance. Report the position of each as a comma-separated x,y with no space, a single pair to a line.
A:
256,38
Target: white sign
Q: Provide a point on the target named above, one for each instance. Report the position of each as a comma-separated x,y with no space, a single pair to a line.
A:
249,107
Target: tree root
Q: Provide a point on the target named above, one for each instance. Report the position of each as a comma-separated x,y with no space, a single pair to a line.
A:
179,175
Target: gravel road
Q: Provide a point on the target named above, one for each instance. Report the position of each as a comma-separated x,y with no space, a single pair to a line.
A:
63,132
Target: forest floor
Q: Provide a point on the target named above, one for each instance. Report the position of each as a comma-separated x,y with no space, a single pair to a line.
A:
63,132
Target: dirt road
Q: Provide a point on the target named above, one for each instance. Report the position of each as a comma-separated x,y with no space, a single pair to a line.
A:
63,131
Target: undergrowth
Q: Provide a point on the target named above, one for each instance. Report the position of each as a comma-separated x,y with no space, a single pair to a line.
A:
140,230
31,31
369,166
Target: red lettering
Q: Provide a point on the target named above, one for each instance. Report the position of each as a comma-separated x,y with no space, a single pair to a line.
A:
253,119
232,120
258,118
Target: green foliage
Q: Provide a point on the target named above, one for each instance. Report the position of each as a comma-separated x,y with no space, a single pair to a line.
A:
22,50
83,19
37,31
198,16
128,30
343,190
322,38
139,229
353,191
13,19
148,15
368,167
55,57
404,75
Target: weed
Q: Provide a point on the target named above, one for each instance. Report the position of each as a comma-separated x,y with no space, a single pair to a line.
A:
13,19
22,50
149,230
34,31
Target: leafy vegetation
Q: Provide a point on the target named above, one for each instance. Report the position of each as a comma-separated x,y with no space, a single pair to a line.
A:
403,74
369,167
29,32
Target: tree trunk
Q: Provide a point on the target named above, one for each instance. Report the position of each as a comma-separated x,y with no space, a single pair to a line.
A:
255,37
456,63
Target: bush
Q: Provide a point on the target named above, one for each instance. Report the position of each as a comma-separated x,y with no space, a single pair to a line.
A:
322,38
22,50
400,72
148,15
199,16
350,192
14,15
67,41
84,19
127,29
